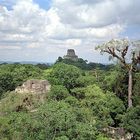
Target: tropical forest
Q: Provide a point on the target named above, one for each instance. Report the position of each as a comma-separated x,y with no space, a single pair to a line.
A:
83,101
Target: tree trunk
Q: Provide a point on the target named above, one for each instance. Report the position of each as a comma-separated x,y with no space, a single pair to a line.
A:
130,88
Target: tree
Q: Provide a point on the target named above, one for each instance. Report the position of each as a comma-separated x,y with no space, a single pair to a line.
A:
58,92
6,83
118,48
80,63
13,75
131,121
105,106
63,74
58,119
116,80
21,126
136,89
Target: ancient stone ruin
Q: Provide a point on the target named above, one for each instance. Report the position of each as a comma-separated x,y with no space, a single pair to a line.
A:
71,55
34,86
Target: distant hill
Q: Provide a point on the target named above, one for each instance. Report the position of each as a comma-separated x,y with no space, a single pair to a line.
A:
26,62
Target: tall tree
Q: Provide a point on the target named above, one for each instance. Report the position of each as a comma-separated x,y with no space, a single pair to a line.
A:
119,48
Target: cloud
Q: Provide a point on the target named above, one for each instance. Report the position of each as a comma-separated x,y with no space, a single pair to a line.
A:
24,23
10,47
66,24
93,13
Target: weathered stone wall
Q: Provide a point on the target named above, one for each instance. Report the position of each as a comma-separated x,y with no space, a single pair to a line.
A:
34,86
117,133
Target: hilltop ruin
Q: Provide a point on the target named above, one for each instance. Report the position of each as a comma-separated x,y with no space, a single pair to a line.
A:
71,55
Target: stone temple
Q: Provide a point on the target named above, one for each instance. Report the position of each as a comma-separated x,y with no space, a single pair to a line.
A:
71,55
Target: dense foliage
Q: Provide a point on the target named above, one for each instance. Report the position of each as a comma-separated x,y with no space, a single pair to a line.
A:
12,75
83,64
81,105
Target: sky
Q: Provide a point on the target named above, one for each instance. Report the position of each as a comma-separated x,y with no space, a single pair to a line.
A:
43,30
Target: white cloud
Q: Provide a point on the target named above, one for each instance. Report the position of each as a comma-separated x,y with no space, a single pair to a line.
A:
73,42
67,24
10,47
99,13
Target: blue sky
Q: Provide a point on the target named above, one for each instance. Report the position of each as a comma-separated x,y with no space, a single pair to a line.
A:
42,30
45,4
